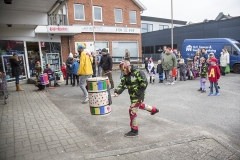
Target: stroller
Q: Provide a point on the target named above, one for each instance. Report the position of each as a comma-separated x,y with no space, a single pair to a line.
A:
190,73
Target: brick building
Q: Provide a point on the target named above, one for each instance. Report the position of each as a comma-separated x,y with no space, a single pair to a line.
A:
117,26
47,31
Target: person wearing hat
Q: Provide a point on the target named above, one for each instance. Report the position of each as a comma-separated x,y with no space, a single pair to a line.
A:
136,82
213,76
106,64
85,70
51,76
16,70
69,62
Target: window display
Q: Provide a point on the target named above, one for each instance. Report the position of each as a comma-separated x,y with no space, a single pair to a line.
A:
7,48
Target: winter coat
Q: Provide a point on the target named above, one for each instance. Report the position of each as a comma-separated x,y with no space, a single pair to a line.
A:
63,69
151,67
159,68
169,62
213,73
106,62
49,72
182,67
75,66
224,59
85,67
146,63
15,65
204,55
203,70
136,83
69,62
31,65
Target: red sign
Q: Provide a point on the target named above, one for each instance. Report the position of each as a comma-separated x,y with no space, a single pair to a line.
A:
58,29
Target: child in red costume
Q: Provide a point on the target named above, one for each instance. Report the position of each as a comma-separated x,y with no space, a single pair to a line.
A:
213,76
63,69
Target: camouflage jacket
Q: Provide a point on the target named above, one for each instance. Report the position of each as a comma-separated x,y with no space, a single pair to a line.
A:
136,83
203,70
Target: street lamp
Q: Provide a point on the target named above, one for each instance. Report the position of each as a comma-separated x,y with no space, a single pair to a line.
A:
93,27
172,23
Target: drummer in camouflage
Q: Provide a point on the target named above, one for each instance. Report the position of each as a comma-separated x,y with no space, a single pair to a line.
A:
136,82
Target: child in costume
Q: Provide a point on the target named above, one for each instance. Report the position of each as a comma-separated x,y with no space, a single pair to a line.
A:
203,75
136,82
38,70
213,76
182,69
64,70
160,71
151,71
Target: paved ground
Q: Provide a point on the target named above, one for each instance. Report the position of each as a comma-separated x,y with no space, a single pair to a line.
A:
39,125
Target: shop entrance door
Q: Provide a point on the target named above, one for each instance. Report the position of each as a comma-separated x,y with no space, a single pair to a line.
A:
33,56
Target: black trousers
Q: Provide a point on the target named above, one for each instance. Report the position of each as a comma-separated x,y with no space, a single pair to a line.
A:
222,70
77,78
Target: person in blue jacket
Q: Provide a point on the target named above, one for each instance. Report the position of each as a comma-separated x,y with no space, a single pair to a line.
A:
75,66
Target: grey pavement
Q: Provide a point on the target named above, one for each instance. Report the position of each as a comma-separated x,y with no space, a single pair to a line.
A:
55,125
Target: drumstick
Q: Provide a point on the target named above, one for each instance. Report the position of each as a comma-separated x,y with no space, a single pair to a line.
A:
113,96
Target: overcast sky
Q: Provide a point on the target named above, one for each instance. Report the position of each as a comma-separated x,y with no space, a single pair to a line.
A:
191,10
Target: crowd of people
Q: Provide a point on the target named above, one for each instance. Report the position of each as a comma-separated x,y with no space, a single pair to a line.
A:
172,66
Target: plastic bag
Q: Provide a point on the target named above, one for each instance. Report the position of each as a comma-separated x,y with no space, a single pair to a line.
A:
227,69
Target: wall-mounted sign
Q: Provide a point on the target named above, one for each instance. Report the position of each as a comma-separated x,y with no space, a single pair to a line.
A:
58,28
109,29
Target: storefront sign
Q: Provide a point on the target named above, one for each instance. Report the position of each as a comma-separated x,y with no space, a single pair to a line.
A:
109,29
58,28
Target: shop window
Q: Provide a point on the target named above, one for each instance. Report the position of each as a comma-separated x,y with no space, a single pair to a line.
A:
97,13
101,45
133,17
7,49
147,27
118,15
119,50
79,12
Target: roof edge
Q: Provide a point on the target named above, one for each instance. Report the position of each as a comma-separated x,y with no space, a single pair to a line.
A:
140,5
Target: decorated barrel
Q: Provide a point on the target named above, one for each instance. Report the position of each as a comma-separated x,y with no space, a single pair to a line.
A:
44,79
98,93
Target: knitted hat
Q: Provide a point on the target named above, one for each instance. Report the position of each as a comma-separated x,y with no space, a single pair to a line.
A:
81,46
70,55
213,60
104,50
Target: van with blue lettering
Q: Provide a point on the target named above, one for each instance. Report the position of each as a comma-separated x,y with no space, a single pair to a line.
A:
214,45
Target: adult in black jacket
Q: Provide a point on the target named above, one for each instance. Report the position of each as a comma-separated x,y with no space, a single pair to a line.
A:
106,65
16,70
146,64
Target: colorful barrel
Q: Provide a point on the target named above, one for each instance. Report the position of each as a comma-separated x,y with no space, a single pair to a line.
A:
97,84
98,95
44,79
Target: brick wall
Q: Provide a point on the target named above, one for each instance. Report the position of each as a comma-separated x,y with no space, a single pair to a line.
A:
108,20
107,12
